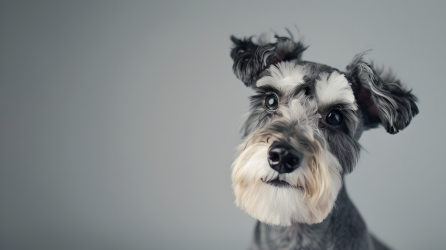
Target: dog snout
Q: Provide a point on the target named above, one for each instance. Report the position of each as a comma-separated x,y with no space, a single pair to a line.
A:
283,158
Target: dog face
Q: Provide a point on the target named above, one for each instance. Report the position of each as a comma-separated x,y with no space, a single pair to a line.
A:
301,135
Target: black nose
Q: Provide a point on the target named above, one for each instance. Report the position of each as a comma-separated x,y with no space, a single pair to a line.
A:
283,158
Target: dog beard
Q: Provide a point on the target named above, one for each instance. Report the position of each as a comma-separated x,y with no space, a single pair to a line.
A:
308,198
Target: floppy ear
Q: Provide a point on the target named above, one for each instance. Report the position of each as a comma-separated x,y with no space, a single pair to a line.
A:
381,97
251,59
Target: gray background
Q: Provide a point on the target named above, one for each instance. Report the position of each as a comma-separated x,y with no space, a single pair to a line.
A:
118,120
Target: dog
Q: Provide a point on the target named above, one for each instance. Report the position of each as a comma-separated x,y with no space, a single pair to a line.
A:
301,138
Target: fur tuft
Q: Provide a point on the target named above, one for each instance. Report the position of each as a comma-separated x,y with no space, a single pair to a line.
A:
251,59
382,97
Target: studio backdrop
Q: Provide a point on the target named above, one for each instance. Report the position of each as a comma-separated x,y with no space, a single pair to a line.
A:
119,120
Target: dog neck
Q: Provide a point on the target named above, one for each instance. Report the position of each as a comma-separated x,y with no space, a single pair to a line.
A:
342,228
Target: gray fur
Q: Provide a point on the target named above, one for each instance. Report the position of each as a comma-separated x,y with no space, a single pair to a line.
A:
251,59
395,106
381,99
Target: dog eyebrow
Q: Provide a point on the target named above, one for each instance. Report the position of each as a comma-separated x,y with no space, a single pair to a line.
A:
268,88
307,87
333,87
339,105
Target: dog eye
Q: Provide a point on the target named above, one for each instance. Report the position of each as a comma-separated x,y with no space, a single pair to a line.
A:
335,117
271,102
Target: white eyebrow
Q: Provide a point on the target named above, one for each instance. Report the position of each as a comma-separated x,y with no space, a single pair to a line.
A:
284,76
334,87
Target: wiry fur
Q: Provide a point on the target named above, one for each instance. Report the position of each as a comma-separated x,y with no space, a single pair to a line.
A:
389,101
299,214
251,59
289,75
333,88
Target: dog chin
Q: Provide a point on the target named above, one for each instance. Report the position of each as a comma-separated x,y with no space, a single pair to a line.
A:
274,204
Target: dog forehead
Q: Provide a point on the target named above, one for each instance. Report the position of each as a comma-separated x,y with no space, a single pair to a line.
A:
330,86
283,76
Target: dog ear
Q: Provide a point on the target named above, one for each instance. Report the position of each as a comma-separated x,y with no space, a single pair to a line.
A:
251,59
381,97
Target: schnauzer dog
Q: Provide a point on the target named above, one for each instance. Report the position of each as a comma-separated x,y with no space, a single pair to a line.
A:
301,138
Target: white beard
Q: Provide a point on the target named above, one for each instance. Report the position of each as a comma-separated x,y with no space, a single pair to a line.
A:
309,199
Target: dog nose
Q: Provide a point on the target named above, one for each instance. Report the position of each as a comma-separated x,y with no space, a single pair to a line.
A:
283,158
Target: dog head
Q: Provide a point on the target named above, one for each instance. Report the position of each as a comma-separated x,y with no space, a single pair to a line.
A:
302,131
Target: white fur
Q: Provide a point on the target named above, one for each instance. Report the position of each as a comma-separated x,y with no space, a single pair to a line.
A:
334,88
284,75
